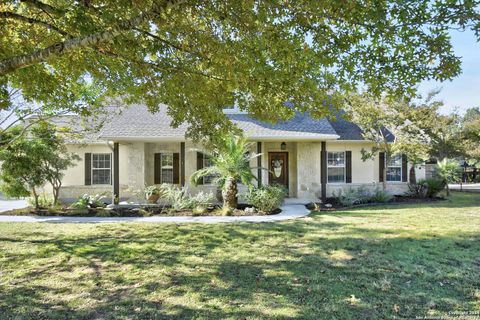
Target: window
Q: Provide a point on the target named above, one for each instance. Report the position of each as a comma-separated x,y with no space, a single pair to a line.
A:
336,167
207,162
394,169
101,168
166,167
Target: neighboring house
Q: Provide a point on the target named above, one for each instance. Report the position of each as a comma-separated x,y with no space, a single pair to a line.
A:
312,158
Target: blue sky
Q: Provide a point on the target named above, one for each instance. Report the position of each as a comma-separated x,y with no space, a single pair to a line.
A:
463,91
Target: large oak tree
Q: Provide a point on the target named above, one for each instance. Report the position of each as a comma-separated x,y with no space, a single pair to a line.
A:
199,56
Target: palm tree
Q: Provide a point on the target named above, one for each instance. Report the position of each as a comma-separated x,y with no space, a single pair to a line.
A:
230,158
448,171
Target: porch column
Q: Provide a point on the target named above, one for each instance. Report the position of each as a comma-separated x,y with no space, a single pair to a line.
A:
116,174
259,164
182,164
323,171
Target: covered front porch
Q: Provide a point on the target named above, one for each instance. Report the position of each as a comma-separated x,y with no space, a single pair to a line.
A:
295,164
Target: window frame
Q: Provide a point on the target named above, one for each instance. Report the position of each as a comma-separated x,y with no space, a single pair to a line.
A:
344,166
162,167
206,180
388,166
92,169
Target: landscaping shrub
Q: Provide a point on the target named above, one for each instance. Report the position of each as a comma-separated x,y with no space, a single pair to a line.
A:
201,201
178,198
380,196
433,186
44,201
417,190
360,195
266,198
89,201
352,196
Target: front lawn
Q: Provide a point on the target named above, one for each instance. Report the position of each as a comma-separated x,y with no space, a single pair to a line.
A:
395,261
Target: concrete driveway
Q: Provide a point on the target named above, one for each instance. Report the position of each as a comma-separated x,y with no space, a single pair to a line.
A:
6,205
470,187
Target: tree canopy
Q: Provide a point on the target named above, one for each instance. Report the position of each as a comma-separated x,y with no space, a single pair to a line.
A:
33,160
199,56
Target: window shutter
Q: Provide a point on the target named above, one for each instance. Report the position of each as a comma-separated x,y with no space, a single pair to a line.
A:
200,164
157,172
348,166
404,168
381,157
88,169
176,168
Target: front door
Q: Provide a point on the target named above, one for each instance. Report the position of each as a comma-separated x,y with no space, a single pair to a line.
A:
278,168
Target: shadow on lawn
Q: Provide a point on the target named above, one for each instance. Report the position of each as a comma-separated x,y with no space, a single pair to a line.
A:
289,270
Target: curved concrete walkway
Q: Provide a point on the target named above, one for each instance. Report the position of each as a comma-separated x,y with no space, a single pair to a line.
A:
289,211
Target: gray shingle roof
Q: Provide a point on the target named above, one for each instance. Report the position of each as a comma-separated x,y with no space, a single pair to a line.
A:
137,122
345,129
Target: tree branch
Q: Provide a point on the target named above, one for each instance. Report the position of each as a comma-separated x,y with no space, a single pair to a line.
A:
44,7
16,16
14,63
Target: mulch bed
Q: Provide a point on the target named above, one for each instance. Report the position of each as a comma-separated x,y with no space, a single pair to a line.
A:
147,211
398,199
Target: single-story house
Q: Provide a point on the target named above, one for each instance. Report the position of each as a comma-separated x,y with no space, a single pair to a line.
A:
311,158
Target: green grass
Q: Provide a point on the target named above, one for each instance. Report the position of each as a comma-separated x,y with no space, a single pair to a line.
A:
397,261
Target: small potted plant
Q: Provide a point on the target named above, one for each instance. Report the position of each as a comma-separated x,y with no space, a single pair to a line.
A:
152,193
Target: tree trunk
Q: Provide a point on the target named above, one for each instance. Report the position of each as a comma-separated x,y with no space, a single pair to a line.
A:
447,188
56,184
35,198
413,175
229,194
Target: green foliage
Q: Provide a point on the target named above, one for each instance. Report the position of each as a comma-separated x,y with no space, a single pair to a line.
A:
197,57
471,135
266,198
32,160
44,201
380,196
89,201
448,171
178,197
361,195
202,199
152,190
426,188
433,186
230,156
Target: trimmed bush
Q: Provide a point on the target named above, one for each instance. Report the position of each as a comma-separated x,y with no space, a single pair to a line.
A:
266,198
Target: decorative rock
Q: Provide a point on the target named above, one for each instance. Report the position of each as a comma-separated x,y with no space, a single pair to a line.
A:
328,205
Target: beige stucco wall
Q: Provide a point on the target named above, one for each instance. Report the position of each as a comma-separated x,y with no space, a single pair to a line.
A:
136,160
73,183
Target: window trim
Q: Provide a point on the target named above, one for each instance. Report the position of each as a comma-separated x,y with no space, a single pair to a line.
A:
161,166
92,168
396,166
204,159
344,168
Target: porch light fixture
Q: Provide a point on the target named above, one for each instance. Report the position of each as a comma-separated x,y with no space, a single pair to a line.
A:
283,146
